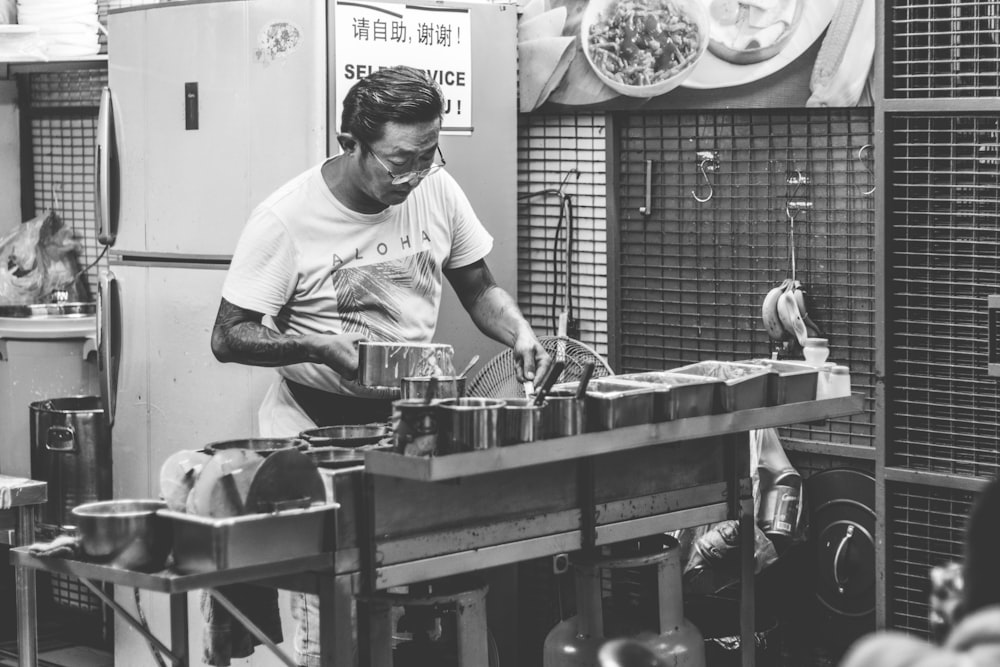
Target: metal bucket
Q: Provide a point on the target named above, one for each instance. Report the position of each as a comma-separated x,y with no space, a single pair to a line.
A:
71,451
468,424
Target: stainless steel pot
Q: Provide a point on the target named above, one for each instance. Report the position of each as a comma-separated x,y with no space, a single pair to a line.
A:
71,452
467,424
384,365
127,534
522,421
445,386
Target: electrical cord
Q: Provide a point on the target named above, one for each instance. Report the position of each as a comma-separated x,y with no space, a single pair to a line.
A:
565,215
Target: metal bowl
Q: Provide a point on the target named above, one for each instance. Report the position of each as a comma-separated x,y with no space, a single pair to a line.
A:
126,534
350,435
262,446
445,386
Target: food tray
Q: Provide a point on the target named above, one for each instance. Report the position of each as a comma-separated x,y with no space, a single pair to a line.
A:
612,403
742,387
203,544
789,381
384,365
677,395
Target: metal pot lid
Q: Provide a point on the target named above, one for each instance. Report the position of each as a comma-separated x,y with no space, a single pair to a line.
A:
842,529
38,310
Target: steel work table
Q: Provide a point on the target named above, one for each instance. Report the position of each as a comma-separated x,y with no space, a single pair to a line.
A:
302,574
404,520
416,519
23,496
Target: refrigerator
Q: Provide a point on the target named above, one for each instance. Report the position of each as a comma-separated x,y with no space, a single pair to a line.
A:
198,124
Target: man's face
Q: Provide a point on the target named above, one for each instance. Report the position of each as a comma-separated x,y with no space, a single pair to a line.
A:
402,149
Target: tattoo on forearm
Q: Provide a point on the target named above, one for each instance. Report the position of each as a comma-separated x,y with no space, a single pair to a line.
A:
250,342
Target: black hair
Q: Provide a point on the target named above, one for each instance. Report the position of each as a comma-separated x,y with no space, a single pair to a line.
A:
981,570
400,94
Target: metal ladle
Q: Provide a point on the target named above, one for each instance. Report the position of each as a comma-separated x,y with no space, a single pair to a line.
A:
468,366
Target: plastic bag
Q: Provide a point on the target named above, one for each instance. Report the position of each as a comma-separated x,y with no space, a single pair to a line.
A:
37,259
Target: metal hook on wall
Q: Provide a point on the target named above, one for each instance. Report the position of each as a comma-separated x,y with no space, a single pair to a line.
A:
708,163
865,163
54,190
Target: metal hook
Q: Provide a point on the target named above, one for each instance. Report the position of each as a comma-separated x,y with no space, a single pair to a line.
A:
708,162
54,191
864,163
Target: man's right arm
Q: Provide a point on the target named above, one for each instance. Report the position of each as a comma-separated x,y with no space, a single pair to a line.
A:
239,336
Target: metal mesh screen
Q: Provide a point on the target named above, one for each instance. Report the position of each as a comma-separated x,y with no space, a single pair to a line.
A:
928,529
943,409
943,48
62,115
568,151
692,276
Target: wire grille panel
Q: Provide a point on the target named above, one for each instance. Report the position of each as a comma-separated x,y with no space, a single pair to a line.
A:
62,116
944,410
943,48
692,276
928,529
567,151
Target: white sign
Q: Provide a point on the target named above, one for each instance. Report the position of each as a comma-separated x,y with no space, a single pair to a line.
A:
375,35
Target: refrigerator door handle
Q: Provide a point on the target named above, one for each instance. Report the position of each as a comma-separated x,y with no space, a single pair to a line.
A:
109,341
106,172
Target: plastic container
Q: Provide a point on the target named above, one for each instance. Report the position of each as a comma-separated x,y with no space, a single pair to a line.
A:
816,351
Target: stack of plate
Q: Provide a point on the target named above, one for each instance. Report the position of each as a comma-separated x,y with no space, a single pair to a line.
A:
68,28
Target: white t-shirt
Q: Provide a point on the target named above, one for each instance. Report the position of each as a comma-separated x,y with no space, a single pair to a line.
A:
315,266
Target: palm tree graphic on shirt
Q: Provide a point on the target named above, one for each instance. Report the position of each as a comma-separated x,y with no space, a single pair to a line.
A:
373,299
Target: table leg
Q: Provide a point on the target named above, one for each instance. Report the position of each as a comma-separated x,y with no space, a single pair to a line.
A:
24,578
741,509
336,600
179,628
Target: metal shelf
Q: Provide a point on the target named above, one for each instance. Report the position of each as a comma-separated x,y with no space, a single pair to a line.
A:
453,466
11,68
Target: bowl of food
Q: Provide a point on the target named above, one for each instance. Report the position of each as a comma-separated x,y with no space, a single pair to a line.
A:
644,48
744,32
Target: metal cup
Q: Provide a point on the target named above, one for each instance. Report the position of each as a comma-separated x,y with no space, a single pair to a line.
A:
522,421
565,414
468,424
415,425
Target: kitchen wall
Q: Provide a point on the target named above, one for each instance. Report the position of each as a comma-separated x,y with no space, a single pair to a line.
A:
10,173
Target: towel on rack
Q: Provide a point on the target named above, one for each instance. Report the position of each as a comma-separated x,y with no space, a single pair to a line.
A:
224,637
64,546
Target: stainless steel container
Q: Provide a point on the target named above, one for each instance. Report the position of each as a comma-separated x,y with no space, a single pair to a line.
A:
743,387
384,365
125,534
203,544
613,403
790,381
71,452
468,424
522,421
679,396
565,414
445,386
415,424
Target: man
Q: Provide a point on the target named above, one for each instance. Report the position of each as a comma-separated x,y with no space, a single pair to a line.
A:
355,249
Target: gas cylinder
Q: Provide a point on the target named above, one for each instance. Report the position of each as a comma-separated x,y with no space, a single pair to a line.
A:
654,612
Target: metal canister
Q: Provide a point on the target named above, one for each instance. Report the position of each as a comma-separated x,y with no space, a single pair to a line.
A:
468,424
443,386
522,421
565,414
415,425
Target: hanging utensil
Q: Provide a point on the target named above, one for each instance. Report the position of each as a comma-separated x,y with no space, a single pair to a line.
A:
588,372
468,367
555,370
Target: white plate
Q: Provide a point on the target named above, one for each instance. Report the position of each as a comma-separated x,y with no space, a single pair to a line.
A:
713,72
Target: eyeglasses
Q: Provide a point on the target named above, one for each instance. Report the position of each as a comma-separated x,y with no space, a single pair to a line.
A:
410,176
